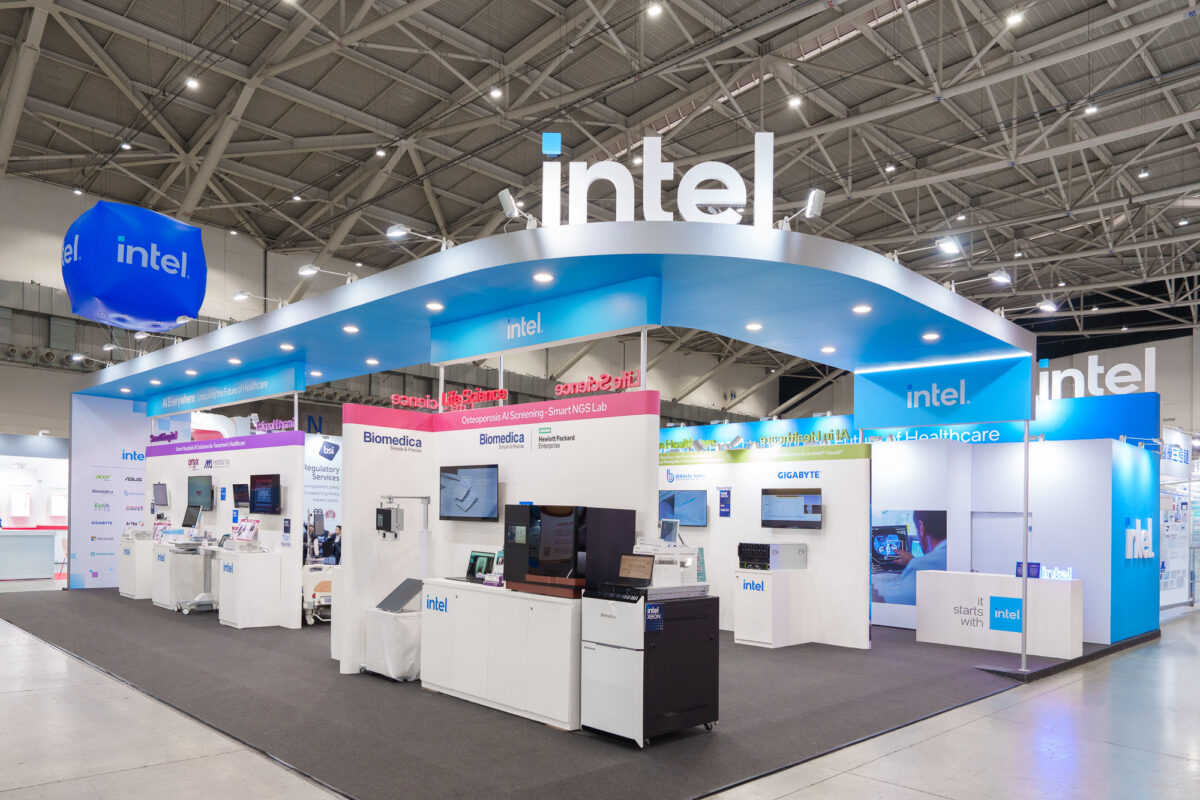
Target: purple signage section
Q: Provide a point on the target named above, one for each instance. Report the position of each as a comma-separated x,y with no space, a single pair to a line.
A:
286,439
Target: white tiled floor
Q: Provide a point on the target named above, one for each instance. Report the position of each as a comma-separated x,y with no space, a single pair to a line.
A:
70,731
1125,727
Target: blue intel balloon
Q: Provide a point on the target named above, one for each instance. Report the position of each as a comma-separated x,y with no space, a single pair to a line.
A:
133,268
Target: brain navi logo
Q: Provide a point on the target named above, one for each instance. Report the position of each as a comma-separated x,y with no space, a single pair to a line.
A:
670,476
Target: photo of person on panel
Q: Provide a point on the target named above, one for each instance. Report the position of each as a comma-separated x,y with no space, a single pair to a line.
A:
902,544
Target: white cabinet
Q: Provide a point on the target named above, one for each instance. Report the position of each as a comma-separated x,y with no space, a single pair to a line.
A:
612,681
160,577
248,586
135,568
768,607
508,650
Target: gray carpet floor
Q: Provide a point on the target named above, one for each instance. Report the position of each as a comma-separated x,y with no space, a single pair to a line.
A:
369,737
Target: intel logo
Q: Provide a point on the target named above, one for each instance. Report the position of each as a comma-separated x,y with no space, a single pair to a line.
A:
436,603
754,586
933,396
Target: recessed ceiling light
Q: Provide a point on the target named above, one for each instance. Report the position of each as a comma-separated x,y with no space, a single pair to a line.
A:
287,348
155,382
496,93
316,373
1047,306
862,308
1091,109
78,192
192,83
828,349
794,101
949,245
191,372
125,390
1014,18
543,277
373,362
931,336
754,326
654,9
350,328
380,152
434,305
235,361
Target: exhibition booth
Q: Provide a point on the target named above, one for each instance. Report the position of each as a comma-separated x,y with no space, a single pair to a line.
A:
33,511
570,563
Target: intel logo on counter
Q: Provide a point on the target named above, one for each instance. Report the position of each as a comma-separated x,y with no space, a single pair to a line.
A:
754,586
436,604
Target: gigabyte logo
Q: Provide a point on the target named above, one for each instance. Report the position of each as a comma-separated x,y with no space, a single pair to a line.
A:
1139,541
329,450
101,522
933,396
722,203
512,437
800,474
754,586
394,441
152,258
436,603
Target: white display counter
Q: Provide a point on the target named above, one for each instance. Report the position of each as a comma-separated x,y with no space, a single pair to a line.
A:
981,610
248,588
27,554
175,577
768,607
135,568
511,651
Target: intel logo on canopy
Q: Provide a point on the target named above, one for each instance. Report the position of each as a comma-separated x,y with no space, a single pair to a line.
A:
133,268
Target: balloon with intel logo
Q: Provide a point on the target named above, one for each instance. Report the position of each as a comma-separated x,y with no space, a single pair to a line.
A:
133,268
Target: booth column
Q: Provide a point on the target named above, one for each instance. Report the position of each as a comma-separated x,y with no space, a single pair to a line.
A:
1025,560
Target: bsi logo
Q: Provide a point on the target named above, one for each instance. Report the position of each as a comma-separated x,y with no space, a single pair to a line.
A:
329,450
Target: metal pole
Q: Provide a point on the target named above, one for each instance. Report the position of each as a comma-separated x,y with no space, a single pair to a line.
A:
500,371
1025,561
642,363
441,387
295,411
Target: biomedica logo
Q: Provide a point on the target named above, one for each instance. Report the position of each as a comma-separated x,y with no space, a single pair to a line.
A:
512,437
933,396
393,441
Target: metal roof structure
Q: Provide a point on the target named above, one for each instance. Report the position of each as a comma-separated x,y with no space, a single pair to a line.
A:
1051,142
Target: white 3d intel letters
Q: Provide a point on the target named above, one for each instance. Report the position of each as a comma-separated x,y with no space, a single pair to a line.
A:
1139,541
694,201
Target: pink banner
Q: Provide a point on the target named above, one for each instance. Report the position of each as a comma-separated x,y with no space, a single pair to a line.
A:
624,404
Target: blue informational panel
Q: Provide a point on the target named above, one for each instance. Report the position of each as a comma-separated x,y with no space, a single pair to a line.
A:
133,268
618,307
950,394
1135,541
230,390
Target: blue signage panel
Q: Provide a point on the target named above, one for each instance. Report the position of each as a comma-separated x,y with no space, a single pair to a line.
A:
975,391
611,308
234,389
133,268
1136,542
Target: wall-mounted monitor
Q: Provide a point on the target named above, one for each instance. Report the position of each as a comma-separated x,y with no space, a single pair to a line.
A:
159,495
200,492
791,508
241,494
265,495
470,493
689,506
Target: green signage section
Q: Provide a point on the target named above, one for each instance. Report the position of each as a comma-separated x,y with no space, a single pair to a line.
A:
751,455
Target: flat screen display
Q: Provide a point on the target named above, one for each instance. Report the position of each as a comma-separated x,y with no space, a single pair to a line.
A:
470,493
191,515
689,506
241,494
200,492
481,563
791,508
159,495
265,495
